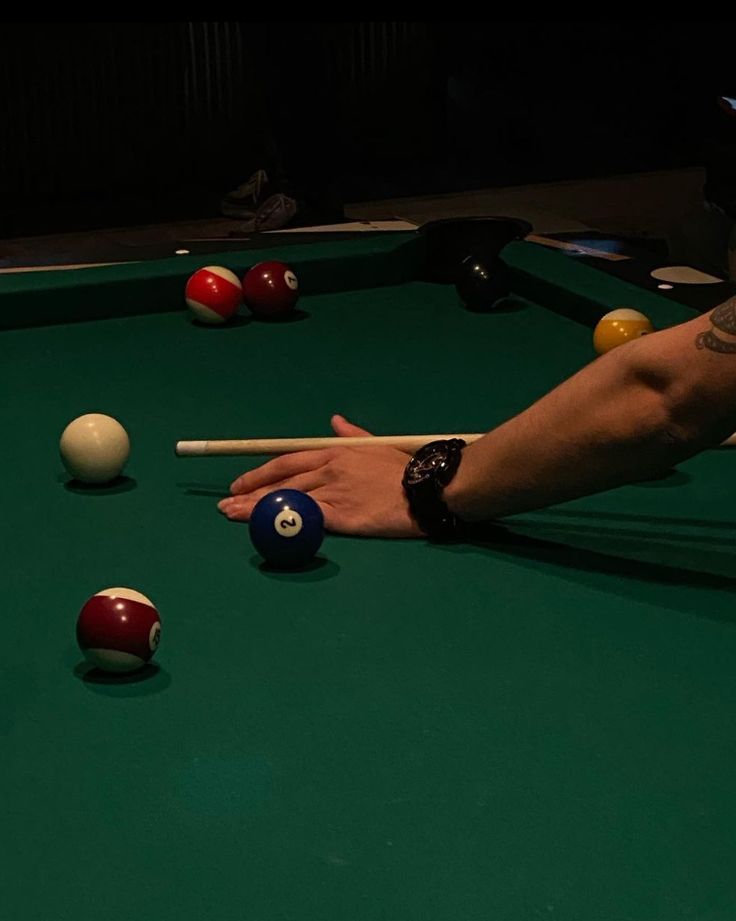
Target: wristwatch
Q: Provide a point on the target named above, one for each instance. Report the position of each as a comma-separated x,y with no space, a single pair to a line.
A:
426,475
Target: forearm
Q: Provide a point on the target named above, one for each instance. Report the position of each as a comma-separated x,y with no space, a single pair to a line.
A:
612,423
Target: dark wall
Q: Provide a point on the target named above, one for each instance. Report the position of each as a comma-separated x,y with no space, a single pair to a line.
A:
127,122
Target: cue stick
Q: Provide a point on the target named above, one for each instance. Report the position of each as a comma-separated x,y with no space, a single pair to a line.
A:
247,446
254,446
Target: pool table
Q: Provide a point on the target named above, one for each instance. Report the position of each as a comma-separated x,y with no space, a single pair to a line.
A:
540,723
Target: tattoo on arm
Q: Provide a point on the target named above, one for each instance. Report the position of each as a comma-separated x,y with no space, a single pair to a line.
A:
723,319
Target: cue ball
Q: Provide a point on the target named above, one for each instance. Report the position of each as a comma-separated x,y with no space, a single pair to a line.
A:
94,448
482,281
287,528
270,290
118,629
213,294
619,326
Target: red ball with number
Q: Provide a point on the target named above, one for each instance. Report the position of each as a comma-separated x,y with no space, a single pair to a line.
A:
118,629
270,290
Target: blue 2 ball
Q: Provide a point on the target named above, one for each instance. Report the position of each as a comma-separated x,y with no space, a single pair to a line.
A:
287,528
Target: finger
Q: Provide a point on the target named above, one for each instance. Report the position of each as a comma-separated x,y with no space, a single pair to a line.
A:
239,507
305,482
345,429
236,508
278,470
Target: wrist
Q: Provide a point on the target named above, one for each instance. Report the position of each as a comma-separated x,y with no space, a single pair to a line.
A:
457,497
426,475
452,496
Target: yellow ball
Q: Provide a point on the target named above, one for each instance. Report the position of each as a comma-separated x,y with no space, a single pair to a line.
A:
619,326
94,448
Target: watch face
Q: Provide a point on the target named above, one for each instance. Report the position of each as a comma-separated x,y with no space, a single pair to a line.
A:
424,466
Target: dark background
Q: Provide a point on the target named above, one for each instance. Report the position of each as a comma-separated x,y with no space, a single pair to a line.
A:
115,123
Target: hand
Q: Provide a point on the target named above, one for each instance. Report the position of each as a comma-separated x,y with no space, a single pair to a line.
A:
358,489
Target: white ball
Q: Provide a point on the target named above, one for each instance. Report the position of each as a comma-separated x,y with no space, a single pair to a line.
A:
94,448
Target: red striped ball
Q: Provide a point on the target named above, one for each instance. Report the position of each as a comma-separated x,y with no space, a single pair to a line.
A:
118,629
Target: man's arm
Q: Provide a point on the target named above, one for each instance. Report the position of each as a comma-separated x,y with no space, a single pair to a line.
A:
634,412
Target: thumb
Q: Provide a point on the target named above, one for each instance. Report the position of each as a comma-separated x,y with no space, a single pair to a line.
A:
345,429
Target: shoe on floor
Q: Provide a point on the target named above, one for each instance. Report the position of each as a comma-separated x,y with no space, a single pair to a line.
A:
244,201
275,212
